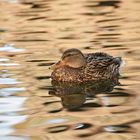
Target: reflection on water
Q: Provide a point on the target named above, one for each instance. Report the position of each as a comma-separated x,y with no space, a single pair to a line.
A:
33,34
74,95
10,48
10,104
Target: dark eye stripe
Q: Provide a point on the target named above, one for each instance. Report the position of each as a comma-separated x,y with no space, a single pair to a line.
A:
69,54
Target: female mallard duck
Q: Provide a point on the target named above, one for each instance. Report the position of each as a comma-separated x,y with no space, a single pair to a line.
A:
75,66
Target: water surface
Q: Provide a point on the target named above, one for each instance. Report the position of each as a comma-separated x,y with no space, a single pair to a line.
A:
33,35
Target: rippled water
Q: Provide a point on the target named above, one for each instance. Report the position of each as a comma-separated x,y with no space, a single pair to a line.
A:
33,35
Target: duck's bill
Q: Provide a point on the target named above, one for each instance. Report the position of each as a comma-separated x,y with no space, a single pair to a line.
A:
54,66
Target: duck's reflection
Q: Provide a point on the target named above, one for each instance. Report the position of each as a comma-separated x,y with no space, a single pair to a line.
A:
72,95
75,95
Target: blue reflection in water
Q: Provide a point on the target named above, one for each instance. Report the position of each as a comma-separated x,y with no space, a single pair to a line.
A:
56,120
11,90
10,48
9,106
9,81
4,59
9,64
10,103
13,138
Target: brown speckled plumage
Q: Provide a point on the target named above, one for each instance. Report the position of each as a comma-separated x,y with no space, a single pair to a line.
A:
96,66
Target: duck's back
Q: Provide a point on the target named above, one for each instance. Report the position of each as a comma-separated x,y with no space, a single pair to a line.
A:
101,66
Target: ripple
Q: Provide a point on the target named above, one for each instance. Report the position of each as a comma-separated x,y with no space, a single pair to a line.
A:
4,59
13,138
58,129
56,120
117,128
11,120
5,75
110,3
82,126
6,131
9,64
6,123
9,81
12,1
10,48
10,91
11,104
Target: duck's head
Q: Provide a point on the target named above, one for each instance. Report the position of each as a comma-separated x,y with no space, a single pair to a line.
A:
72,58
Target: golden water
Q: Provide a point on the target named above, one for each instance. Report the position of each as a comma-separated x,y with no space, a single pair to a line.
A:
33,35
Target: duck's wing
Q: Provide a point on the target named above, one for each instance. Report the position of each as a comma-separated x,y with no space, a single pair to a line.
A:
101,60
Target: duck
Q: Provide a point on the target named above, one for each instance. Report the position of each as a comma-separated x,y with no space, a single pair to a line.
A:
75,66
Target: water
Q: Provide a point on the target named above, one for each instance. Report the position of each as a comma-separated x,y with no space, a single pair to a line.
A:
33,35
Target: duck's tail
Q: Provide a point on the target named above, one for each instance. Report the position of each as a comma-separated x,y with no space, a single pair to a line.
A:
117,61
